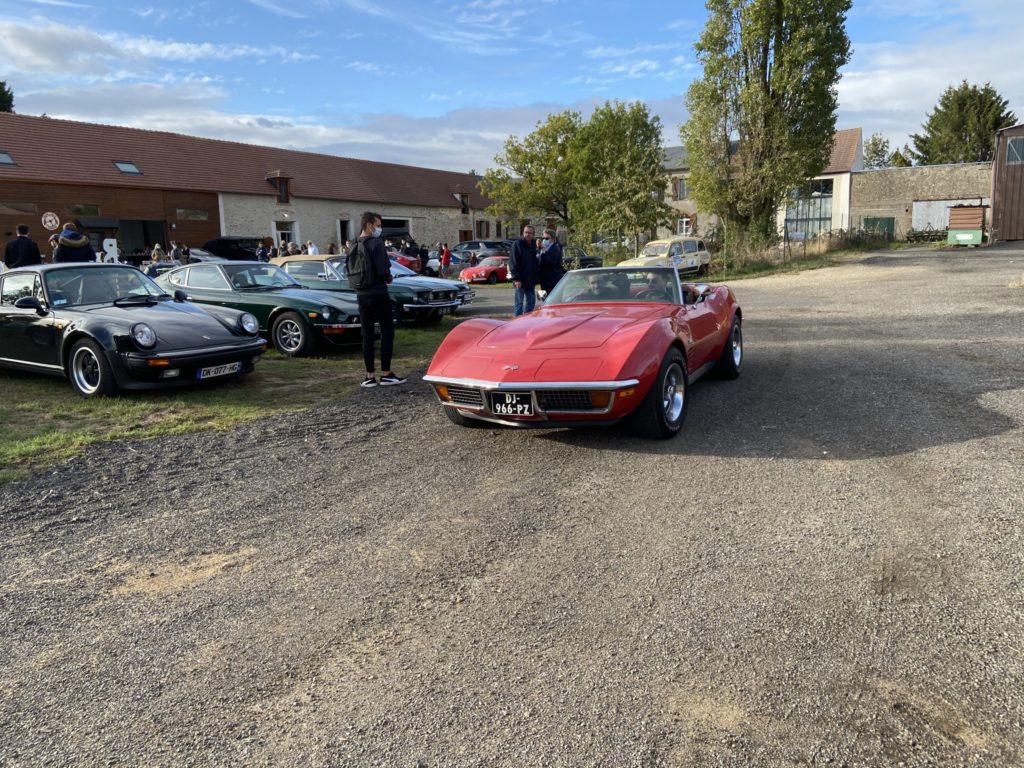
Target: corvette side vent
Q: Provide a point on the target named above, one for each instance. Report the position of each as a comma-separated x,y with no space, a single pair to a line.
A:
466,396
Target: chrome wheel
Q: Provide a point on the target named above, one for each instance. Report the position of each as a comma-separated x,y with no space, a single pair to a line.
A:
290,334
737,345
673,396
85,371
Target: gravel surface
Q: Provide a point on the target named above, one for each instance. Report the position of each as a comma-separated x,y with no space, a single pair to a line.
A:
824,568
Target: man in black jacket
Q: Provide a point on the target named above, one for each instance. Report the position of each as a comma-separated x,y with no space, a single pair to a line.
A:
21,252
71,246
374,302
522,266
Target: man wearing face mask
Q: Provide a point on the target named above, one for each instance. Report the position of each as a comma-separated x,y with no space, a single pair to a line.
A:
375,305
551,269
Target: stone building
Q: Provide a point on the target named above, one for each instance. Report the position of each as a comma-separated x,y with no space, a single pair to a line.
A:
145,187
897,200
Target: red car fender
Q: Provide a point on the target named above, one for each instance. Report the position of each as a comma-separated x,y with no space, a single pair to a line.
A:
647,353
463,335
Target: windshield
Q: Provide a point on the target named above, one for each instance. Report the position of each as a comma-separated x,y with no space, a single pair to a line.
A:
655,284
97,285
493,261
655,249
261,275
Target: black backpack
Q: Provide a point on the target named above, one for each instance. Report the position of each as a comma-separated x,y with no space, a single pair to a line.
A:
359,266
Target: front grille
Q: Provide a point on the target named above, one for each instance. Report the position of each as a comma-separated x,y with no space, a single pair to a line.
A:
565,400
442,296
466,396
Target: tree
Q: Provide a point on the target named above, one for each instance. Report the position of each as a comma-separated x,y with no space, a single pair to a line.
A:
762,115
620,175
900,158
6,97
538,174
876,152
962,127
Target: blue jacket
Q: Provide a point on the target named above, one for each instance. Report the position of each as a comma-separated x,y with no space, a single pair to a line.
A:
522,265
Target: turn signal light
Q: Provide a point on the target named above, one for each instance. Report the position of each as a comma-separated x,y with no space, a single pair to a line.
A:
627,392
600,399
158,362
442,392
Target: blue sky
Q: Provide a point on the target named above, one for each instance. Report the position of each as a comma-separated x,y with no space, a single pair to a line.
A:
443,84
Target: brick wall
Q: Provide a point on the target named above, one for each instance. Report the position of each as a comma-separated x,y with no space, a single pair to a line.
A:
892,191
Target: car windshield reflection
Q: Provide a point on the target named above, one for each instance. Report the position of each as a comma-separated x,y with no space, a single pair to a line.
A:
493,261
98,285
259,276
656,284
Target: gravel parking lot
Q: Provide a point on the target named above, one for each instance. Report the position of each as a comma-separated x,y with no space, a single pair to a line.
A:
826,567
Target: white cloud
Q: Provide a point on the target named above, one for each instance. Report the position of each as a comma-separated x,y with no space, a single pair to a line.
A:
611,52
279,9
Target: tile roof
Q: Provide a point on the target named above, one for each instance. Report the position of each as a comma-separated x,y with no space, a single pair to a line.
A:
46,149
845,154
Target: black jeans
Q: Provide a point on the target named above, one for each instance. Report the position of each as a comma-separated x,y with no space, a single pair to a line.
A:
375,308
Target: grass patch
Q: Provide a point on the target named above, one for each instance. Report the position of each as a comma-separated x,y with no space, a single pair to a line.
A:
43,421
761,268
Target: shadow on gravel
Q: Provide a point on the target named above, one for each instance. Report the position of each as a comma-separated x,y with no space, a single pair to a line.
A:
840,404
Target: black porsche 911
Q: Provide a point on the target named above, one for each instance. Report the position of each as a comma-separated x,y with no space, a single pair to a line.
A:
108,327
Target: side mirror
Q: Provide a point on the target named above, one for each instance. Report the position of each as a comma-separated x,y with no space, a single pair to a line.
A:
702,290
180,295
31,302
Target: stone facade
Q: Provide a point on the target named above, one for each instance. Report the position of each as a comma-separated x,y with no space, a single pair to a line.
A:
892,192
332,221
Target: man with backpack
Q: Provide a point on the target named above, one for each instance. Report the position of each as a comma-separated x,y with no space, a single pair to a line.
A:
369,272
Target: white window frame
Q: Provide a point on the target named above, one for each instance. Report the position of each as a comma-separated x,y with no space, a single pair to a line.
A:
1015,151
684,225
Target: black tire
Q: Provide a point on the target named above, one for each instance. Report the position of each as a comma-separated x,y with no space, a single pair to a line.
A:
492,278
290,334
455,417
89,370
663,410
702,270
730,362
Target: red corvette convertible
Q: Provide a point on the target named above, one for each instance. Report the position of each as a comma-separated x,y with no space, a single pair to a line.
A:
608,344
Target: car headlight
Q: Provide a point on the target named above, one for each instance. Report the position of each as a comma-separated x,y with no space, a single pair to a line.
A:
249,323
325,313
144,336
423,298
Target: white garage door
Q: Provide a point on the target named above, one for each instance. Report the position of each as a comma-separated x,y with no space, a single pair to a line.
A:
934,214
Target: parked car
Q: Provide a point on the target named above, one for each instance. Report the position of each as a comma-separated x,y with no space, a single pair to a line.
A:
234,248
464,293
421,299
614,243
493,269
295,317
574,257
434,264
412,262
687,254
482,249
108,327
202,255
607,345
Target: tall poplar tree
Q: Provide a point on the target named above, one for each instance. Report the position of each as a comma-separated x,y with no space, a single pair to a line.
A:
762,115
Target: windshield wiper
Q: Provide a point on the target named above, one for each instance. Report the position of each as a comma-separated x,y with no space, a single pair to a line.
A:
137,298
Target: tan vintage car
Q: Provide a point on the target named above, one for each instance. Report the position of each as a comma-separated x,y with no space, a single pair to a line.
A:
684,252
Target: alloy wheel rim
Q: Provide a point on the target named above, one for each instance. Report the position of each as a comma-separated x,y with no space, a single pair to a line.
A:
289,335
673,394
86,370
737,345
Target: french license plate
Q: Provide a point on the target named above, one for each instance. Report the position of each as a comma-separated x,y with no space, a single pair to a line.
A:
512,403
218,370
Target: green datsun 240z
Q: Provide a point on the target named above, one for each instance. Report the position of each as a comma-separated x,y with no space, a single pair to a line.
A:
295,317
